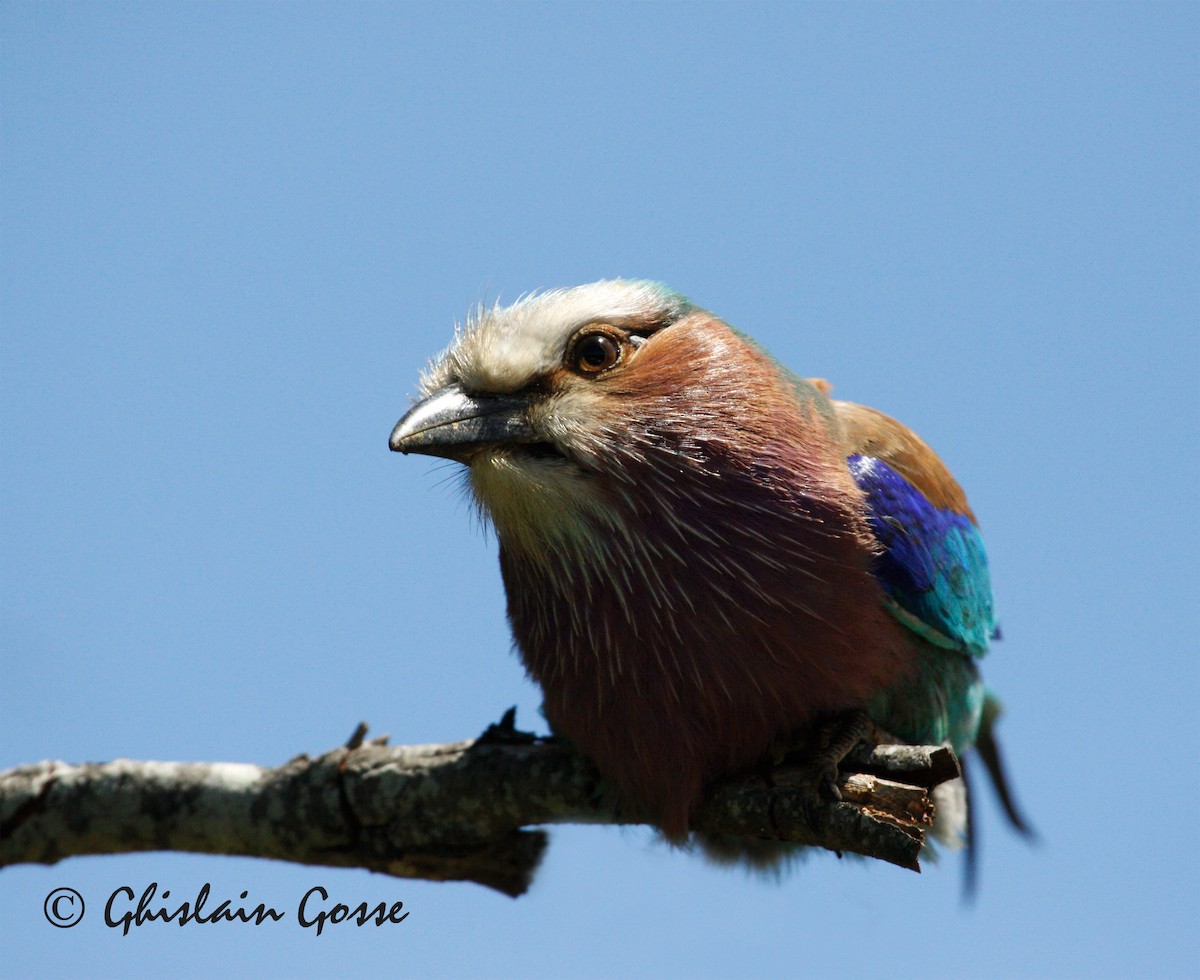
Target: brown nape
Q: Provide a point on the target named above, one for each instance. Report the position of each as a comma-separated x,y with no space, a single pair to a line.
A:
725,599
867,432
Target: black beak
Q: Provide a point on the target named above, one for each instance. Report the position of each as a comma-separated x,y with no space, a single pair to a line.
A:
453,424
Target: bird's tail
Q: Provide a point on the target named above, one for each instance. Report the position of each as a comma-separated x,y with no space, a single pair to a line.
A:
988,748
989,751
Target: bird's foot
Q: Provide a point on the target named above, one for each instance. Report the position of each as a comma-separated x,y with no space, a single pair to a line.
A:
815,757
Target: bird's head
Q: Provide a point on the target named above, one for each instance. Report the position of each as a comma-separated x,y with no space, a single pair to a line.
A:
572,406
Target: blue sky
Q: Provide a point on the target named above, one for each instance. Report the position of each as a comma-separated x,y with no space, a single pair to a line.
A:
232,235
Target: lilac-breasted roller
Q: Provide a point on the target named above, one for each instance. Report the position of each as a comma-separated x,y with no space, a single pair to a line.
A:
702,552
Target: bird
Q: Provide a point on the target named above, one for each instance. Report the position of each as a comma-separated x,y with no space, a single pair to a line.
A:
704,553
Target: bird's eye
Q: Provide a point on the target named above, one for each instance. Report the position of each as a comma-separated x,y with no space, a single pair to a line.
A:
595,352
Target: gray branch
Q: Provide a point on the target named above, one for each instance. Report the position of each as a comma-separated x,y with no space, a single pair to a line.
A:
454,812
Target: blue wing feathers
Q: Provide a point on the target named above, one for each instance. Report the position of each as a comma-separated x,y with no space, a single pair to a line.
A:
933,565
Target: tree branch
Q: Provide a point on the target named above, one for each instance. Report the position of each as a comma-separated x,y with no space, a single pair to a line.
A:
452,812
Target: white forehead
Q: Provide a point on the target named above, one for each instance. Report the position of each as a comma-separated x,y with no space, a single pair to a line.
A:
502,348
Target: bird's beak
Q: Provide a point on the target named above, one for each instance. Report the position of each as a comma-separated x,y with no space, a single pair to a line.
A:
452,423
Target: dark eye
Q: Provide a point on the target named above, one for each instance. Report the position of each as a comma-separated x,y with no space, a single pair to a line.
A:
595,352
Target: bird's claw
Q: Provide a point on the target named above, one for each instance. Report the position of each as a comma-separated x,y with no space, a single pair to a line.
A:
815,776
814,786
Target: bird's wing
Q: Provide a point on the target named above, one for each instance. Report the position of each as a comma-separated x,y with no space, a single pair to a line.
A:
933,566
